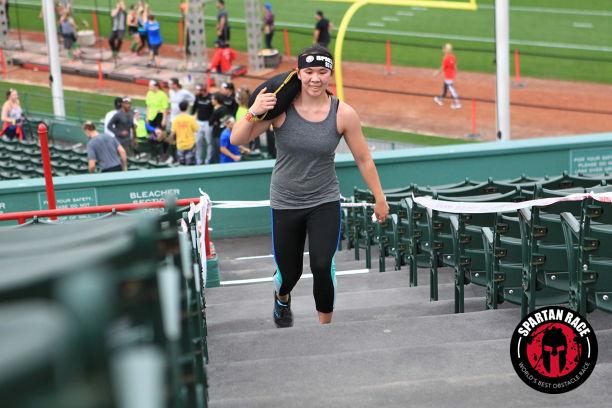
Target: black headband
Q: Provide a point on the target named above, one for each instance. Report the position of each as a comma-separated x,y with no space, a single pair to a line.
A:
311,61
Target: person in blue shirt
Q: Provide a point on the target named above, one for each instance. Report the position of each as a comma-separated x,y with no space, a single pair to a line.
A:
228,152
154,39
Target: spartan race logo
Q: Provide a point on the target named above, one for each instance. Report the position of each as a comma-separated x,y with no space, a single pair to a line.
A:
553,350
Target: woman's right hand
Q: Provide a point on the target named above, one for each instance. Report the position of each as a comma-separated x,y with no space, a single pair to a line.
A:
263,102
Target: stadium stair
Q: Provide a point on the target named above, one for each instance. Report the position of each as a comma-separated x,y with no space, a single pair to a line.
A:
388,344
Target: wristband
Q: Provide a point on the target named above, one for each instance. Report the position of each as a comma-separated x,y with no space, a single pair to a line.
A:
251,117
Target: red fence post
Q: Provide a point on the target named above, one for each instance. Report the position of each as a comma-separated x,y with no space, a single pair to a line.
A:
388,57
181,33
100,75
287,44
3,63
46,159
473,134
517,70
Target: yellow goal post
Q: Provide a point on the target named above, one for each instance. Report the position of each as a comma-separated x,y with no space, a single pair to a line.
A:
357,4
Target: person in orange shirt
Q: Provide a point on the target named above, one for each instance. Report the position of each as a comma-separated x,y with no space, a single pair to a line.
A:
223,58
449,67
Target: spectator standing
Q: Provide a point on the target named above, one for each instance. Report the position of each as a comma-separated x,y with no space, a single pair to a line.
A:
202,109
227,90
178,95
157,105
122,124
184,128
184,8
132,24
119,19
268,24
12,116
223,28
109,115
143,14
242,97
157,113
227,151
449,67
103,151
154,39
68,29
216,123
322,30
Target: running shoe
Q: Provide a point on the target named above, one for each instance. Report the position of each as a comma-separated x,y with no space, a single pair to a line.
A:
282,313
456,105
438,100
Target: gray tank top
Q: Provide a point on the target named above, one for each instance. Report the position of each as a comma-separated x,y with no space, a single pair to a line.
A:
304,174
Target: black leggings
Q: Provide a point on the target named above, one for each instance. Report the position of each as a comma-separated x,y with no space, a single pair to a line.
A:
289,228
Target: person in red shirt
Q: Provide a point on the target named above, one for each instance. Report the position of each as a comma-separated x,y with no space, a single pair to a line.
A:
449,67
223,58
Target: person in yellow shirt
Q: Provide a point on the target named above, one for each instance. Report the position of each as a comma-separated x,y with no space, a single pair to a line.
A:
157,105
184,128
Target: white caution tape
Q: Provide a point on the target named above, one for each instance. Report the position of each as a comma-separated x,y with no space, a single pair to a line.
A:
459,207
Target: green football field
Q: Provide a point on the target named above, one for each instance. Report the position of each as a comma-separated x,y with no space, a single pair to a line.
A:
561,39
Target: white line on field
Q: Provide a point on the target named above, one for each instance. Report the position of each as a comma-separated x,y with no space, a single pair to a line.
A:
304,276
582,25
385,18
405,13
596,13
418,8
376,24
260,256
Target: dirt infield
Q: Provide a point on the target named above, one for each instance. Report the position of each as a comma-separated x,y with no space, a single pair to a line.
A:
403,100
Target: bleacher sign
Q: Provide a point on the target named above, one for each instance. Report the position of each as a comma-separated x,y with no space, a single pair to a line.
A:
591,161
77,198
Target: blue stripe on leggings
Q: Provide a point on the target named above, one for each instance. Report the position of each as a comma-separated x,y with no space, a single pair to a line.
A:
278,279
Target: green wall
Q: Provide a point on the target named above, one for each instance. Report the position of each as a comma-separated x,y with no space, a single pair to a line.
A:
251,180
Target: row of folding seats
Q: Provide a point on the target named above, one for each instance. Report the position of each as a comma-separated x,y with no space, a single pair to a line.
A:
102,313
519,258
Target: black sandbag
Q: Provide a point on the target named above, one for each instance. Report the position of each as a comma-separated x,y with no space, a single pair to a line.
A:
286,86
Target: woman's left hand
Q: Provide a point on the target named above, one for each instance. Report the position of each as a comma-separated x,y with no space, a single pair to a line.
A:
381,210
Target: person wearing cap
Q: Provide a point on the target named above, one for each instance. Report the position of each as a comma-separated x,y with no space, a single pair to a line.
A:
184,128
227,151
122,124
227,90
109,115
304,188
177,95
268,24
103,151
157,105
202,109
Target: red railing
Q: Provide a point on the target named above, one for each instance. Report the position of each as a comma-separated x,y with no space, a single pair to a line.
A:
22,216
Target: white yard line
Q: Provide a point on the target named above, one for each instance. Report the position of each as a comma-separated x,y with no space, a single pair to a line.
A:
582,25
304,276
376,24
260,256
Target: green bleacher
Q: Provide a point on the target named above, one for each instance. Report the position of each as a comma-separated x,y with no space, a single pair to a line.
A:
107,312
22,159
531,257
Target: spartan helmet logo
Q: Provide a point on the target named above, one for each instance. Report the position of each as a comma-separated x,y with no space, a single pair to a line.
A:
554,350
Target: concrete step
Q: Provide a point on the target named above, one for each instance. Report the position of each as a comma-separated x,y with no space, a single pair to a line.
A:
237,324
467,372
258,308
346,283
343,337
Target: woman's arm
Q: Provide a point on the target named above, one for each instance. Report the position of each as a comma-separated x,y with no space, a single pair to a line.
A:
245,131
5,109
350,126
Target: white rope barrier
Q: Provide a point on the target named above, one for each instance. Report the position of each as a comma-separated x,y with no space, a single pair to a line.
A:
459,207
